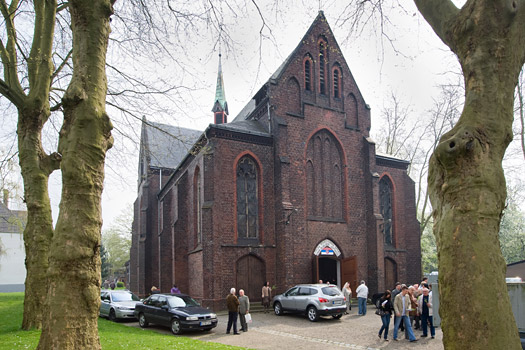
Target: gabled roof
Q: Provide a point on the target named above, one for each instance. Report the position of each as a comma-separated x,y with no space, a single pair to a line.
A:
12,221
166,145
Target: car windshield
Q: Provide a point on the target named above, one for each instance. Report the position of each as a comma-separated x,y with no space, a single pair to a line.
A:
118,297
331,291
181,301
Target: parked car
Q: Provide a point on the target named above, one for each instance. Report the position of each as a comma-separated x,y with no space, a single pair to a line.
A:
117,304
180,312
312,299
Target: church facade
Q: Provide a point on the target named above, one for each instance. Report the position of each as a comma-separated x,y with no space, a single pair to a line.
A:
290,191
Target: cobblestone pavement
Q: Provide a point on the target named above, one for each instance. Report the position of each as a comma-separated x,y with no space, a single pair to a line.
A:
352,331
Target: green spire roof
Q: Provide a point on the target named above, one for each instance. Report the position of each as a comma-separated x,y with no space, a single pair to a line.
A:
220,93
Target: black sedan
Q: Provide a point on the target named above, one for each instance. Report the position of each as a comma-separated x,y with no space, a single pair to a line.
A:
180,312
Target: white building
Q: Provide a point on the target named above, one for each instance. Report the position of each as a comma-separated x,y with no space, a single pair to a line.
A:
12,254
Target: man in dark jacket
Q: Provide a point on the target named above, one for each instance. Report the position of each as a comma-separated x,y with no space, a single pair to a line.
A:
233,309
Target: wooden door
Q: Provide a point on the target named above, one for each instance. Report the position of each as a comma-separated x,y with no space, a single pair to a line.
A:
349,273
315,269
390,273
250,276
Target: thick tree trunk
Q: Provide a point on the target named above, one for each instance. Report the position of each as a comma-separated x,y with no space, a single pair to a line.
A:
74,268
466,181
36,167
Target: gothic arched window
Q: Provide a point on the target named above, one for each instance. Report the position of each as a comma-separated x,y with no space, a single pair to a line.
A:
247,198
324,177
385,206
337,83
308,74
322,62
197,205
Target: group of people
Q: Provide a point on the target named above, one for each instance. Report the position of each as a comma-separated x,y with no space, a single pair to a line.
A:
412,309
174,290
240,306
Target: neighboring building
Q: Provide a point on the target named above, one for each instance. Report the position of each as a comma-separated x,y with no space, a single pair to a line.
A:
12,251
291,191
516,269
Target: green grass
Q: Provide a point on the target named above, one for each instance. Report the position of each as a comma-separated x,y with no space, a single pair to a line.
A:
112,335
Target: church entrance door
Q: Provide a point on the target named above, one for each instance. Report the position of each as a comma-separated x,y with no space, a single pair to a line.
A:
250,276
390,273
327,263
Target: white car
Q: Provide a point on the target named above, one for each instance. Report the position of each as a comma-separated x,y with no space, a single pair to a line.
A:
117,304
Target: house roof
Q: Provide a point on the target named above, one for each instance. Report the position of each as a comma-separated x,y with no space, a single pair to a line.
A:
12,221
166,145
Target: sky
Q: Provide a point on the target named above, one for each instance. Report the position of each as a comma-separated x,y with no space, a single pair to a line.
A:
409,61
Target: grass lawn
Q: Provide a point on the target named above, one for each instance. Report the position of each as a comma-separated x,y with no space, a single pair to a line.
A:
112,335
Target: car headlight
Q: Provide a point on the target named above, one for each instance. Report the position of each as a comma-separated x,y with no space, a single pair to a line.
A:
213,315
192,318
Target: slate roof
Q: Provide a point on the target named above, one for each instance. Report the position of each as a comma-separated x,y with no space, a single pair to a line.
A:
167,145
12,221
246,126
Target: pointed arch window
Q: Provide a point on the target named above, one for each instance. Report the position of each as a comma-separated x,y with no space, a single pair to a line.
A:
325,181
247,199
197,205
337,83
307,74
385,203
322,59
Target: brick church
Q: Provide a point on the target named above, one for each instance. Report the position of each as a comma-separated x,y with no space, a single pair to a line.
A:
289,191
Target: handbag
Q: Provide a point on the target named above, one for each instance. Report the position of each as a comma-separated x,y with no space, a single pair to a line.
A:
380,312
248,318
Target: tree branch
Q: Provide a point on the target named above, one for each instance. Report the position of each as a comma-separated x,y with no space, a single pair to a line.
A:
439,14
62,65
51,162
14,96
8,52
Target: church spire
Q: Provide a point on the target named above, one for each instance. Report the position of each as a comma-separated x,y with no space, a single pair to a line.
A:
220,106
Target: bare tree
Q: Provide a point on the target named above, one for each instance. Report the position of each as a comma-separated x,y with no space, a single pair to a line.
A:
466,181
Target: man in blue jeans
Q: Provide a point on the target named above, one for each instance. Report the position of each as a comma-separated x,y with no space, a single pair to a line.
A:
401,308
362,295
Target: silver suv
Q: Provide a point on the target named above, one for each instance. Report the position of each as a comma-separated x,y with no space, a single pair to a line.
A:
312,299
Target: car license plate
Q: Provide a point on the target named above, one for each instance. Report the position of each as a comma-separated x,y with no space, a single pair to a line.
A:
205,323
337,302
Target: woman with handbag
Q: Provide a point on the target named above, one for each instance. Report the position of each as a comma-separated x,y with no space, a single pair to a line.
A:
385,311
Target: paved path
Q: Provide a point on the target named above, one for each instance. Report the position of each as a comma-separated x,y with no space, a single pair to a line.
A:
295,332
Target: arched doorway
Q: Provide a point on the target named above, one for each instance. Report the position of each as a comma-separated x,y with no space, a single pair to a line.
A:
328,265
251,273
390,273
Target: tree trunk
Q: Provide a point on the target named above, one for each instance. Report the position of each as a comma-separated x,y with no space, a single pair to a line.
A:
466,181
74,264
36,167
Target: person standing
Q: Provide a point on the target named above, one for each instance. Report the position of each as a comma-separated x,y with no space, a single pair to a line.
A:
401,306
425,311
347,292
175,290
244,309
266,296
233,309
395,292
386,306
362,295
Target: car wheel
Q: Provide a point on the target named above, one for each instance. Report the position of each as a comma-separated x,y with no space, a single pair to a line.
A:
337,316
278,309
143,323
112,316
313,315
175,326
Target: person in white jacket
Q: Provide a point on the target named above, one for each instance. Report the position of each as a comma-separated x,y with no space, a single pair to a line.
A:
424,305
